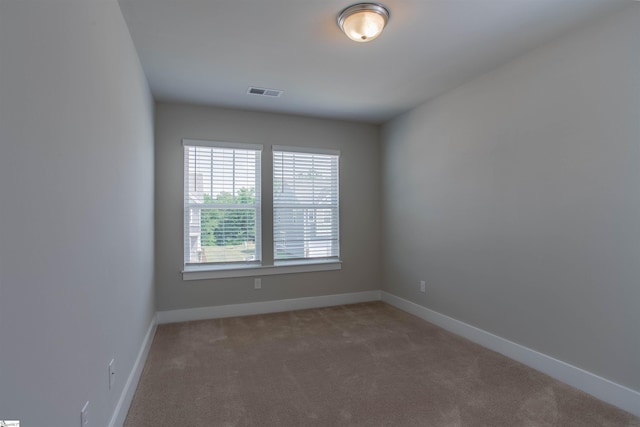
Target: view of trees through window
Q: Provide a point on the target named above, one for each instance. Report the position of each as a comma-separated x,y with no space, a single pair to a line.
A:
222,204
229,227
228,233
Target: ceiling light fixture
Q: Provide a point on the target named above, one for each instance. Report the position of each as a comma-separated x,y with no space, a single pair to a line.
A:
363,22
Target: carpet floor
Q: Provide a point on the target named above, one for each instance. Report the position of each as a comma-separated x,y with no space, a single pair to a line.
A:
355,365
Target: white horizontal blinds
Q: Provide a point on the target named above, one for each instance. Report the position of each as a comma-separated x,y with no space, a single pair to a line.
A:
222,203
305,204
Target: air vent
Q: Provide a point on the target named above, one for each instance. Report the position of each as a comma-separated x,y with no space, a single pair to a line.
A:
264,92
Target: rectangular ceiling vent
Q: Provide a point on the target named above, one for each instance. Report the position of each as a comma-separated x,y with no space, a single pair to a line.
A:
274,93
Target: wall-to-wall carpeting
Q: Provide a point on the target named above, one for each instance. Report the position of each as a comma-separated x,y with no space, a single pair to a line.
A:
364,364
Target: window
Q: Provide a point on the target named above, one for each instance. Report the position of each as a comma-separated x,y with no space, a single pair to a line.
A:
305,204
222,214
223,217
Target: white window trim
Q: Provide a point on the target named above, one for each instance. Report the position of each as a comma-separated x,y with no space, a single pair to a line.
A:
221,144
305,150
231,270
234,145
249,270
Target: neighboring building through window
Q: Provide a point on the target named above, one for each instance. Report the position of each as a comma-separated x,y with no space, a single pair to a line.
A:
222,211
305,204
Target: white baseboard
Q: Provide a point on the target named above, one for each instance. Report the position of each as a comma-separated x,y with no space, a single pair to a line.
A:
120,412
215,312
601,388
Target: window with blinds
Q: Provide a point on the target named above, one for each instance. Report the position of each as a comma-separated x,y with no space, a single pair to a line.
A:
305,204
222,216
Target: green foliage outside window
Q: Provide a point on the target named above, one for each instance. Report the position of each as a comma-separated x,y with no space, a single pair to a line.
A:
226,227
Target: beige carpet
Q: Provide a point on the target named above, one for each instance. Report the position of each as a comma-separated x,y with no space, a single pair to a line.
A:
357,365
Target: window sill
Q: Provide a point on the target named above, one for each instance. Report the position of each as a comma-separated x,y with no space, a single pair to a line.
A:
248,270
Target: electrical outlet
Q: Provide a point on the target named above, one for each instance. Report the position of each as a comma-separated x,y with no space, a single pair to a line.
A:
257,283
84,415
112,373
423,286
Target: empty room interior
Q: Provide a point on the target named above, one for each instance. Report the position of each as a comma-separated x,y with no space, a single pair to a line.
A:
330,213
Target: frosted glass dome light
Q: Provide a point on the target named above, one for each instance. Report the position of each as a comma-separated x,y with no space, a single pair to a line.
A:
363,22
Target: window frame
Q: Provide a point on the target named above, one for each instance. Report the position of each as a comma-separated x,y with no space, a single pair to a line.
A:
262,267
311,206
257,207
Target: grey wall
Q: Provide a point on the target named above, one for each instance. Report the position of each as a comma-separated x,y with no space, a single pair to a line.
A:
359,203
516,198
76,209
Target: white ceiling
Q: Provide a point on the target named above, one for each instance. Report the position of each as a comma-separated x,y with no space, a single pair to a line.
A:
210,51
